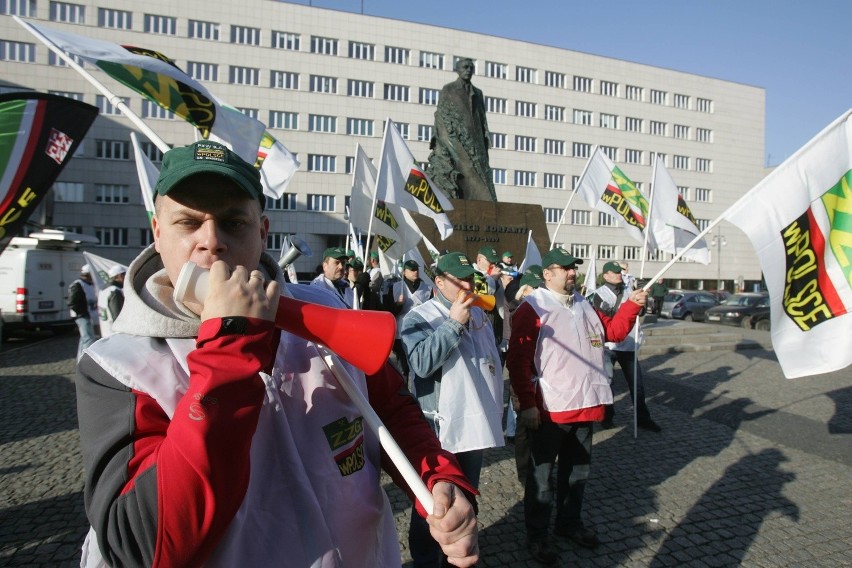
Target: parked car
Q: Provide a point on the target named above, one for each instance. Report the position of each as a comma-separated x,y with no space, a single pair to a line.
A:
737,309
689,305
760,319
721,295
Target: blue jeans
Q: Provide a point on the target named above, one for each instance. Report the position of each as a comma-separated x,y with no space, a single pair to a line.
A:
627,361
425,552
571,446
87,334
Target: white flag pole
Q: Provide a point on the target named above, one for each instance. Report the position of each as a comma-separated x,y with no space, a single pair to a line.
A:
114,99
564,212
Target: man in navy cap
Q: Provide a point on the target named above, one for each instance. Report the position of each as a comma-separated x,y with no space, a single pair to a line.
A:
557,366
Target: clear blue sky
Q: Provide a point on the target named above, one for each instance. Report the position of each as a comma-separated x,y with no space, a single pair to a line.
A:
797,50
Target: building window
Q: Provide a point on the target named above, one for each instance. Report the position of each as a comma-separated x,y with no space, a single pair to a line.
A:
608,120
424,132
633,124
661,155
321,163
552,215
106,107
319,202
524,178
499,176
525,74
286,40
243,75
25,8
609,89
683,191
250,112
554,147
112,149
493,104
580,251
606,252
404,129
284,120
358,88
554,113
498,140
202,71
55,60
20,51
111,193
323,45
681,131
275,240
429,96
322,123
632,253
245,35
323,84
523,108
610,152
606,220
150,150
146,236
525,143
203,30
111,236
659,97
583,117
68,191
703,165
633,156
581,217
115,19
399,93
704,105
554,181
703,195
680,162
704,135
658,128
634,93
702,223
284,80
67,95
554,79
359,127
431,60
582,84
361,50
495,70
397,55
67,12
287,202
681,101
581,150
153,110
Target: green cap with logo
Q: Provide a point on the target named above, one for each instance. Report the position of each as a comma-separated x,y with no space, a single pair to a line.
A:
490,253
611,266
334,252
532,276
207,157
560,257
356,264
455,263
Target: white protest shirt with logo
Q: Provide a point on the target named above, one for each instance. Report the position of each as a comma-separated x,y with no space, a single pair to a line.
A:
470,393
569,356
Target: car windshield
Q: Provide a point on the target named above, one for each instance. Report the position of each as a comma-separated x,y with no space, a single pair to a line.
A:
742,300
672,297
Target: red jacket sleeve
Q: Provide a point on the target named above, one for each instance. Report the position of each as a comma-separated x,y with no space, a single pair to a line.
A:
403,418
619,326
520,357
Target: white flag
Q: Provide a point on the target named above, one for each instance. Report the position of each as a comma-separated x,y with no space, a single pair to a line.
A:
798,220
277,166
672,223
605,187
532,254
100,269
591,281
402,182
147,173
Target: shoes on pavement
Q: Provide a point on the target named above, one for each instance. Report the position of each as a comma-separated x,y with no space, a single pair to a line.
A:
649,425
586,538
543,551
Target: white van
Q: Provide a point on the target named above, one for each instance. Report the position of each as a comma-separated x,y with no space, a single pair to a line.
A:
35,273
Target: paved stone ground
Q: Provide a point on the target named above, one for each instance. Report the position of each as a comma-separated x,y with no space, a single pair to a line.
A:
750,470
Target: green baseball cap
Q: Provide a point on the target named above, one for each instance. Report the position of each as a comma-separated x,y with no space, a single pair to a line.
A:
532,276
508,253
334,252
490,253
611,266
455,263
356,264
374,254
560,257
411,265
207,157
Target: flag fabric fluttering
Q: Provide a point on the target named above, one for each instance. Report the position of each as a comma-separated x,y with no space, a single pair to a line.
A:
532,255
39,134
402,182
590,284
799,220
147,173
671,221
100,269
605,187
156,77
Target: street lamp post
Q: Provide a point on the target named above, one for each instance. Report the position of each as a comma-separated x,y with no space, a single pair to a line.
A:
719,241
